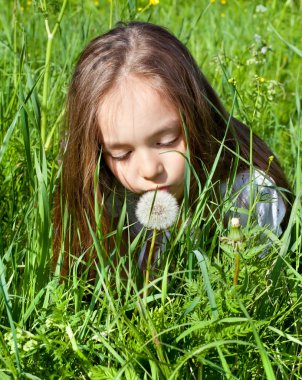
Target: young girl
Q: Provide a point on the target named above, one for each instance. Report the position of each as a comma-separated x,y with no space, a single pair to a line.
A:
134,92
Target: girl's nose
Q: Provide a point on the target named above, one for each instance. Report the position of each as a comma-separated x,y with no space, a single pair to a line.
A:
150,165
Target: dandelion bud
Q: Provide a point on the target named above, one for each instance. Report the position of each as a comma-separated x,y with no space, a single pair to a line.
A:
235,222
157,209
235,230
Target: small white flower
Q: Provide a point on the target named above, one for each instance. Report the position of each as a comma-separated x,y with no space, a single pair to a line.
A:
264,50
257,37
157,209
251,61
261,9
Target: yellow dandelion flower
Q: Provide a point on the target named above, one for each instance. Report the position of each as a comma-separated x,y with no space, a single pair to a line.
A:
232,81
223,2
212,1
153,2
262,80
29,3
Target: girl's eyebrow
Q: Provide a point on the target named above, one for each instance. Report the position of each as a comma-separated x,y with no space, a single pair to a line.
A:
166,128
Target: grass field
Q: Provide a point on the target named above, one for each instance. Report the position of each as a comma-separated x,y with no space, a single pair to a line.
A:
194,324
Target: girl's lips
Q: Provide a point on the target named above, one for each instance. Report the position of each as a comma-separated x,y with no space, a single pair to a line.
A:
162,188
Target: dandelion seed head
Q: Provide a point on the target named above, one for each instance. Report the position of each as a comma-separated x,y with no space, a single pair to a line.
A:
157,209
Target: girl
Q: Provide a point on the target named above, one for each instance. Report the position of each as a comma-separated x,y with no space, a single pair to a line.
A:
133,90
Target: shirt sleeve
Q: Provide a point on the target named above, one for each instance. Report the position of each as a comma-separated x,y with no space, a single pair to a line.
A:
262,196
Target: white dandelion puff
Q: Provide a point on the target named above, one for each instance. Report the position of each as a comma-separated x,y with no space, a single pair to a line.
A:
157,209
261,8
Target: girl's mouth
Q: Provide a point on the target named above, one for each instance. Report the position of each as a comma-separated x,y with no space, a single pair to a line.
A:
162,188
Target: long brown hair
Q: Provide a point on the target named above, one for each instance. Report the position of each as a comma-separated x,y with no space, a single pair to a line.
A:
153,53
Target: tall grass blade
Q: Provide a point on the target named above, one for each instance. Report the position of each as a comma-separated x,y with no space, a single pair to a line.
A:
203,266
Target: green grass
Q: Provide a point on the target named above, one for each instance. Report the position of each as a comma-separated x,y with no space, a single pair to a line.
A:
194,324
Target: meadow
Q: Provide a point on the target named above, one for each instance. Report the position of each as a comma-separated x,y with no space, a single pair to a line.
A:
193,322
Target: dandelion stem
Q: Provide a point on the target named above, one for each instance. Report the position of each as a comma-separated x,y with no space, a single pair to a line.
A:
149,262
237,267
236,237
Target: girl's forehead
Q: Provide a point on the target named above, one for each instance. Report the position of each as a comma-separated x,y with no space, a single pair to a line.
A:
129,96
133,108
130,89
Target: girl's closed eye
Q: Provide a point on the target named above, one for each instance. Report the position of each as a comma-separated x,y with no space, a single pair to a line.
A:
122,157
167,143
126,156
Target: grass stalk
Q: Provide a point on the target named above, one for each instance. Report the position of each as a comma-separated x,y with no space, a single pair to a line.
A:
211,296
50,37
8,307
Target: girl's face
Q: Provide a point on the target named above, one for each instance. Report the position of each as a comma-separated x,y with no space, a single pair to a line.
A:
142,139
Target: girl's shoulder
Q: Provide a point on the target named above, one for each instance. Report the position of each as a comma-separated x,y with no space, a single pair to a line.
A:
246,180
256,177
258,192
